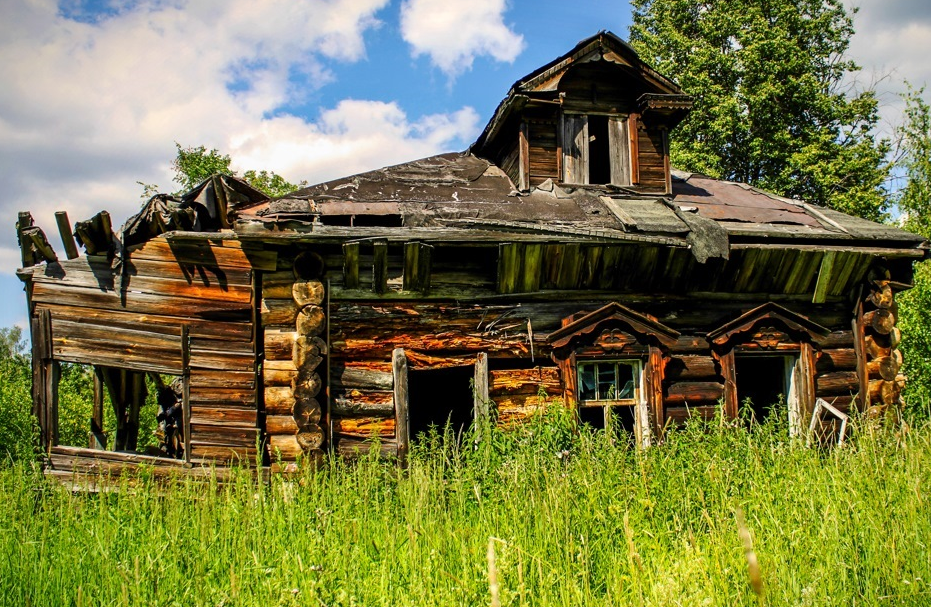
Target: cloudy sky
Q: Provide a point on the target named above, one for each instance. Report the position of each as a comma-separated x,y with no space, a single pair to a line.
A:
96,92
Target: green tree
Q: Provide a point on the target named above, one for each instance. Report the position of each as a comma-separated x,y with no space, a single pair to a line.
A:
192,165
772,105
914,201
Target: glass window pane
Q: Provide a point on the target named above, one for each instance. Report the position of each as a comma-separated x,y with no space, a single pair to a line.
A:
587,382
607,381
626,381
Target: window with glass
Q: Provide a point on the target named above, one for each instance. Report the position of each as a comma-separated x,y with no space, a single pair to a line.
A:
608,393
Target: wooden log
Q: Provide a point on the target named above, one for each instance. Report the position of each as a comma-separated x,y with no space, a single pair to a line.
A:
67,237
876,346
310,437
222,253
202,414
882,320
884,392
311,321
351,265
881,295
690,368
363,402
306,386
279,312
279,343
885,367
278,373
840,359
350,446
279,401
280,424
308,266
838,383
308,292
684,392
380,267
401,403
308,352
895,336
525,381
222,453
364,427
277,285
678,415
306,411
345,376
284,447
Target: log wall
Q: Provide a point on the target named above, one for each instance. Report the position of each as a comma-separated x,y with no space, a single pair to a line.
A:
131,316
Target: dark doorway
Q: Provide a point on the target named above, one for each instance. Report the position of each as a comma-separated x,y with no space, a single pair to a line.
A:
438,397
599,150
764,380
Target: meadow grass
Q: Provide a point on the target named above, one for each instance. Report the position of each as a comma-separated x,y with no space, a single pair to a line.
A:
571,519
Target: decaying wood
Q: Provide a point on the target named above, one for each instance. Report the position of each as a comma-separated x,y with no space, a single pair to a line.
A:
310,437
306,385
306,411
837,383
351,265
692,367
885,367
380,267
354,376
308,292
285,447
363,402
363,427
525,381
480,394
308,352
67,238
95,234
881,296
311,321
401,403
840,359
350,446
885,392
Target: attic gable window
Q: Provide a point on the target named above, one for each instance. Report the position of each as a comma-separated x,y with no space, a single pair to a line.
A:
596,149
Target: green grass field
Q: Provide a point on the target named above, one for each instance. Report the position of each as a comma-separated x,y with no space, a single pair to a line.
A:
572,520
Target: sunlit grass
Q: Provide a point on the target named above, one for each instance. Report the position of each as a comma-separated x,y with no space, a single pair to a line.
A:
573,520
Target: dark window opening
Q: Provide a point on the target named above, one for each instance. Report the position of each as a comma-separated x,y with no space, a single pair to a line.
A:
440,397
377,221
599,150
621,419
762,384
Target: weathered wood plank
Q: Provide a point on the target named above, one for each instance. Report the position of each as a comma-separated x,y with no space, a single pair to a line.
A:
402,414
363,402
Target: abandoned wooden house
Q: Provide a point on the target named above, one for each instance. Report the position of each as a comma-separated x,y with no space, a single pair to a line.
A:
559,258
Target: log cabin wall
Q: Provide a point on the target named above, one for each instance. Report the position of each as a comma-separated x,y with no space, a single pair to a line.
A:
132,316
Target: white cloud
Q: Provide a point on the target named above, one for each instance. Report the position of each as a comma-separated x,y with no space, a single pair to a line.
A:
892,43
89,107
454,32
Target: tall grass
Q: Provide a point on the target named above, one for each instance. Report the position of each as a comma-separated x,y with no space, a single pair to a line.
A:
565,519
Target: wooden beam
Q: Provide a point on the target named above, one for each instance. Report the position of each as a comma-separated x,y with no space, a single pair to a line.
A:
729,372
380,267
509,266
805,384
654,397
417,261
859,344
351,265
825,273
524,158
67,237
186,389
634,130
481,414
401,402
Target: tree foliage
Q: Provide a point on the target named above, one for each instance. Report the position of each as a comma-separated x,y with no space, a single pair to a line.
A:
914,201
771,107
192,165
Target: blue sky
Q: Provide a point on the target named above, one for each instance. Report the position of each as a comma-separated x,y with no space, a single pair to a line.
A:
96,93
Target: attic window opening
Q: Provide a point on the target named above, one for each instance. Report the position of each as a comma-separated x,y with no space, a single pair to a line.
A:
596,149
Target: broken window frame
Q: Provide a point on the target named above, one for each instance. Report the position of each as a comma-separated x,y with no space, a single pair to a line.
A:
608,405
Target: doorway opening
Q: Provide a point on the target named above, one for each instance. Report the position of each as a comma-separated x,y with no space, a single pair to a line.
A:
599,150
764,385
440,397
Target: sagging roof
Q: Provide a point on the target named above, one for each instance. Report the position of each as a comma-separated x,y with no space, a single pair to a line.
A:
467,192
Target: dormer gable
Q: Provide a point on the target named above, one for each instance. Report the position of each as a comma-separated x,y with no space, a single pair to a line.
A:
597,116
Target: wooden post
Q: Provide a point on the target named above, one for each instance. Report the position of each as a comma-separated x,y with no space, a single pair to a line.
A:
44,380
859,344
729,371
654,399
380,267
634,131
67,237
401,411
481,414
186,389
28,256
97,438
524,158
806,387
350,265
